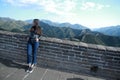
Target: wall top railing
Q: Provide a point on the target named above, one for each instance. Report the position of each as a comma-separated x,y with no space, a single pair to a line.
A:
67,42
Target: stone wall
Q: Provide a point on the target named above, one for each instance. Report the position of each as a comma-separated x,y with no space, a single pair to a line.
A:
77,57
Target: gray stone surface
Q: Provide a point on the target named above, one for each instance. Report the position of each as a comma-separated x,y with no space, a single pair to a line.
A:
77,57
37,74
6,71
111,49
100,47
16,71
83,44
118,49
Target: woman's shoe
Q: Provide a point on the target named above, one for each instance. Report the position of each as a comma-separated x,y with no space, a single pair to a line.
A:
30,69
33,65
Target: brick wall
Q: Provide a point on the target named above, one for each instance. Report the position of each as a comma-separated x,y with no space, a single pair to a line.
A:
77,57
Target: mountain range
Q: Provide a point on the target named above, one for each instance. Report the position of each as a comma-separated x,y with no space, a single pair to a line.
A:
11,24
112,30
62,31
56,24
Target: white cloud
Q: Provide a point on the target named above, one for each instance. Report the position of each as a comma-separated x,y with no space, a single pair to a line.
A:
99,7
60,7
107,5
93,6
87,5
21,2
10,1
64,10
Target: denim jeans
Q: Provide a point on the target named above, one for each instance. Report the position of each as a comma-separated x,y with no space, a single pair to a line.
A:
32,52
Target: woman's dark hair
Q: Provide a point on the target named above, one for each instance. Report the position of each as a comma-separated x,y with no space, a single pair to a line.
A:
36,21
36,27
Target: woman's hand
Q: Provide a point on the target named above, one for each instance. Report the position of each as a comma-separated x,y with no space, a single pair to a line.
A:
37,39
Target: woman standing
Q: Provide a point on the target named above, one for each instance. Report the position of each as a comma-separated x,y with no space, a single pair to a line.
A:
33,44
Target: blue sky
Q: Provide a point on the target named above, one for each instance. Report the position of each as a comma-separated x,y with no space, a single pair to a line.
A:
90,13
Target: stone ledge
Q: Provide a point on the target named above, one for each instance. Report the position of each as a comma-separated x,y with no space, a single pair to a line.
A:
56,40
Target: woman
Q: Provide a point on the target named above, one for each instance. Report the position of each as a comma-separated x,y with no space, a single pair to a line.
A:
33,44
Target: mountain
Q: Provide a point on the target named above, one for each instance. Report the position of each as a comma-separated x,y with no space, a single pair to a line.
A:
11,24
73,26
112,30
58,32
99,38
84,35
5,19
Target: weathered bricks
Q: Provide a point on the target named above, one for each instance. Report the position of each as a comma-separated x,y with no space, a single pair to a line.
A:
78,57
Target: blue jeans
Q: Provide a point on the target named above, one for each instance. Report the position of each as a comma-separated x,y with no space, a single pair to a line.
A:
31,52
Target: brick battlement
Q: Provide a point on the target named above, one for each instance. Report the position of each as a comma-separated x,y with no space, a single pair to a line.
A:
78,57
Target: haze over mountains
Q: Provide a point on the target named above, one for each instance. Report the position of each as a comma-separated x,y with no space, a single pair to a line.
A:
112,30
68,31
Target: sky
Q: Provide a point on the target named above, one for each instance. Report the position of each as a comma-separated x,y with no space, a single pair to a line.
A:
89,13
